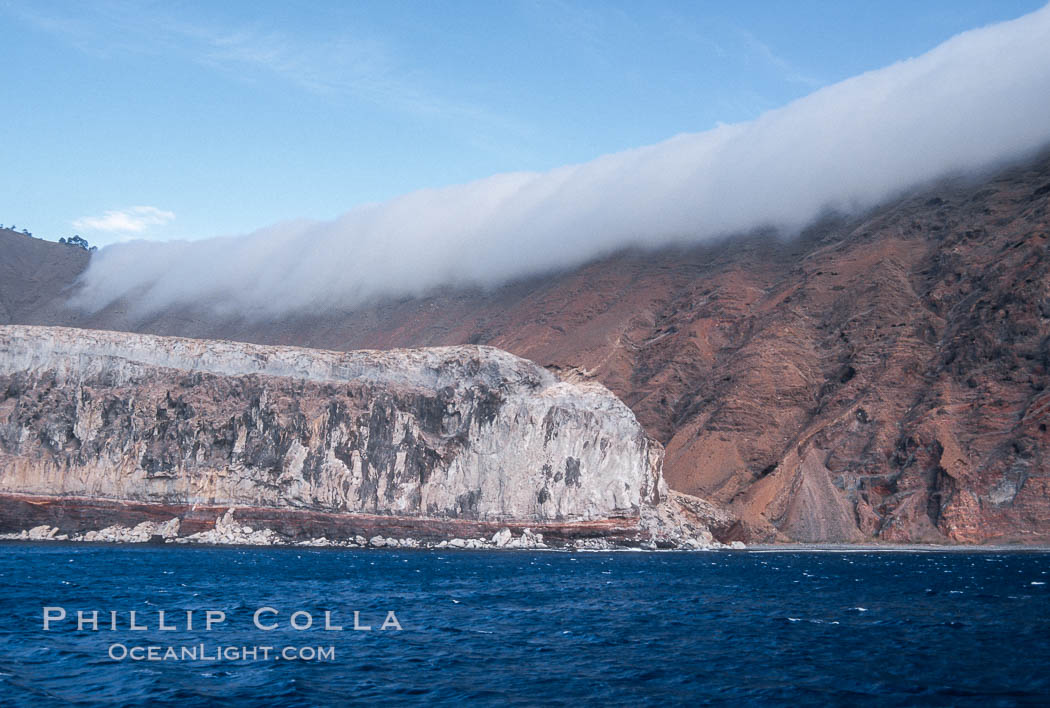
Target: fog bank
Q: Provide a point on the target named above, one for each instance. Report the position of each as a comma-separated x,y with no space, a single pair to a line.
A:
980,98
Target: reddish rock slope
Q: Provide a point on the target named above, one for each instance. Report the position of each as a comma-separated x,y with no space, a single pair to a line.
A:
881,377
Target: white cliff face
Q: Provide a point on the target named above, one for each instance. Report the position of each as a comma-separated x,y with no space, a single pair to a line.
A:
460,432
123,355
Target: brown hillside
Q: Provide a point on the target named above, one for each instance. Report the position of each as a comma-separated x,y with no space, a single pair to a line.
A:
881,377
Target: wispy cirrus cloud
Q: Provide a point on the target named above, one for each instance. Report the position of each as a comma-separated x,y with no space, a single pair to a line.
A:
355,64
360,67
788,71
125,222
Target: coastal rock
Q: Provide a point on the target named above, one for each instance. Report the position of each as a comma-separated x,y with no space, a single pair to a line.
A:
226,531
42,533
600,544
501,538
531,540
458,433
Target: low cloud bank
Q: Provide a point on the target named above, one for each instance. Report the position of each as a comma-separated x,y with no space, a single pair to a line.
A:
980,98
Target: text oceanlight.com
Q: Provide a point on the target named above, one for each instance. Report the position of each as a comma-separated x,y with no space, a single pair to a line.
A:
201,652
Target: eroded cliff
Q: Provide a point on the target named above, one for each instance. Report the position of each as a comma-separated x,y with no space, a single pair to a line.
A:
404,441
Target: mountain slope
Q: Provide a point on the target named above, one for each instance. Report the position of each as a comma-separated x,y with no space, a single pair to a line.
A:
35,277
878,377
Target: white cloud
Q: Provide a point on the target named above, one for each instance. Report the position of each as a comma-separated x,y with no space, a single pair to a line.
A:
133,220
979,99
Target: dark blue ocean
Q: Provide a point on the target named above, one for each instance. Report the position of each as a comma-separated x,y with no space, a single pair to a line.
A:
524,628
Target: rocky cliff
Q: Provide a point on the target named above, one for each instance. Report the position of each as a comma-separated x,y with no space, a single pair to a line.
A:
410,442
878,377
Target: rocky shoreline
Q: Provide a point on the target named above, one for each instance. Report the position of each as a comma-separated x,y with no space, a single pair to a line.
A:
673,525
227,531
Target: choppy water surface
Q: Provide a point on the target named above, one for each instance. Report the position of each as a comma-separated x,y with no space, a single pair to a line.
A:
527,628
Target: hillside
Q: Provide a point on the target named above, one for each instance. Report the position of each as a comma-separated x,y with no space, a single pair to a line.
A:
881,377
35,276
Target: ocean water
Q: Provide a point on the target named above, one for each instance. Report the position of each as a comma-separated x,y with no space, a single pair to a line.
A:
525,628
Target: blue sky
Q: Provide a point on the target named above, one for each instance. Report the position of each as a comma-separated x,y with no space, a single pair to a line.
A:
184,120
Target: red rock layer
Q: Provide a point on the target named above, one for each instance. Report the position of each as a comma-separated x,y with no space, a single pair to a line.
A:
80,514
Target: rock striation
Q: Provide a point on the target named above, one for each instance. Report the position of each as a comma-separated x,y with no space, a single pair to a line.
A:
109,436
